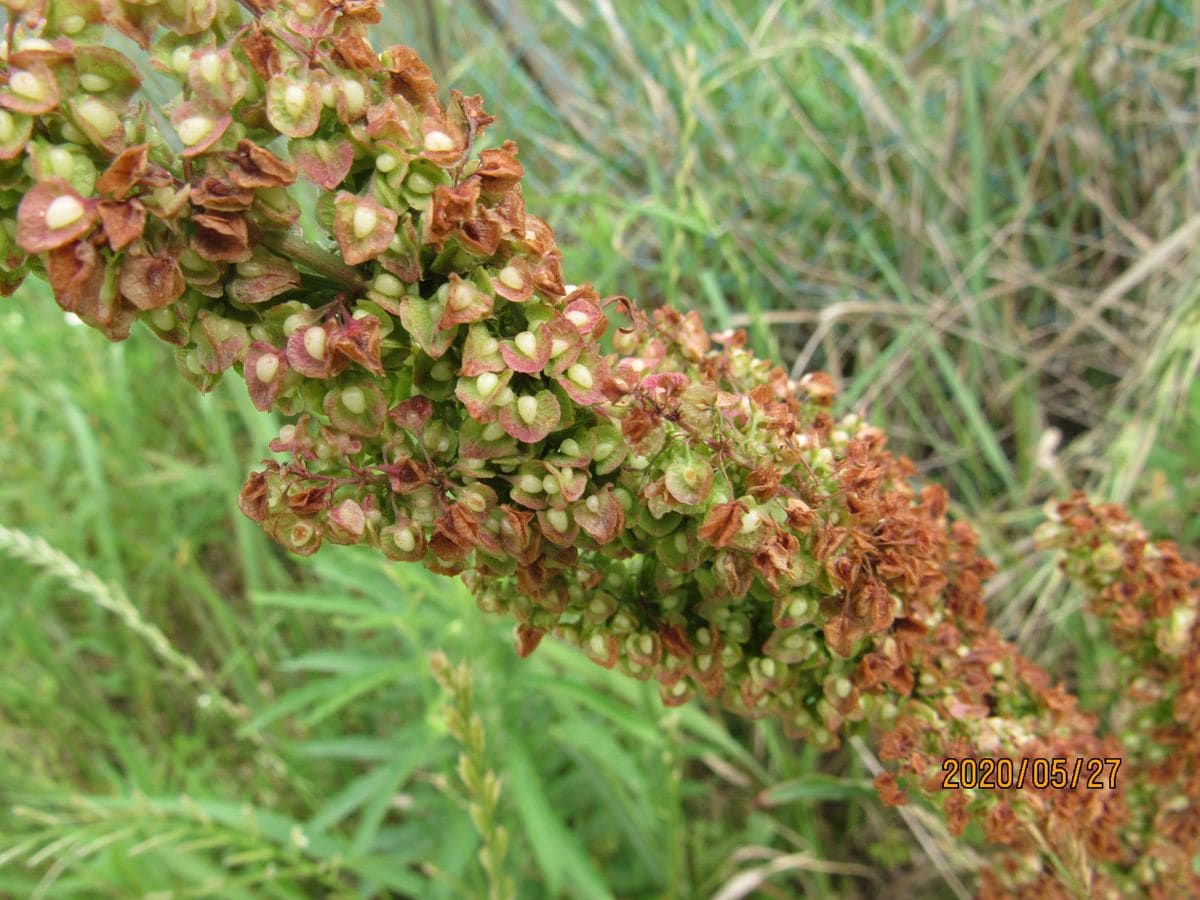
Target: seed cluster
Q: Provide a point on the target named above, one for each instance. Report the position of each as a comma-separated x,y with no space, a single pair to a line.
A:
675,507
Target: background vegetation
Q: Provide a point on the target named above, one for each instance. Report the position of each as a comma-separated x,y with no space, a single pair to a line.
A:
980,217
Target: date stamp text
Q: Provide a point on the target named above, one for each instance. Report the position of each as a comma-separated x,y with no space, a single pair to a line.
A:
1001,773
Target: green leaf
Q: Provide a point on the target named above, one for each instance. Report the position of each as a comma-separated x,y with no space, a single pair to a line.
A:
382,781
556,849
814,788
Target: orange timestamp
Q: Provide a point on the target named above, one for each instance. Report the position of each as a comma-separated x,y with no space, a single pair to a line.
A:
1002,773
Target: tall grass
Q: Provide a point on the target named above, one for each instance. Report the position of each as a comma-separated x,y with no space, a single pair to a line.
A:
979,217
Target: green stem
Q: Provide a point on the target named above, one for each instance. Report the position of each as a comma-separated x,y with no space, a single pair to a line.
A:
313,257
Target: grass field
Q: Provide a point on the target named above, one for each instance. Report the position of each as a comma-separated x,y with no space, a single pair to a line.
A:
981,218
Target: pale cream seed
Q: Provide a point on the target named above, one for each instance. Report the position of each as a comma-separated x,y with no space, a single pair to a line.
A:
99,116
603,451
388,285
462,294
7,126
558,519
210,67
181,59
251,269
493,431
750,521
27,85
527,409
511,278
365,220
439,142
842,688
93,83
72,24
314,342
194,129
558,347
486,383
581,375
579,318
404,540
385,162
225,329
550,484
419,184
593,504
63,211
526,342
62,163
569,447
266,367
354,400
295,100
163,319
293,323
355,97
530,484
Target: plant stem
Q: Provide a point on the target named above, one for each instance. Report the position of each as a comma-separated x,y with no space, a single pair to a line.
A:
315,258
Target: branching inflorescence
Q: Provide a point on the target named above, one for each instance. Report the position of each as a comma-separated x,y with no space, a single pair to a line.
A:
678,509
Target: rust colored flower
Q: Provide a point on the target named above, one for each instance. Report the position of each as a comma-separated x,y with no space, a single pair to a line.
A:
499,171
151,282
123,221
221,237
257,167
407,75
449,208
